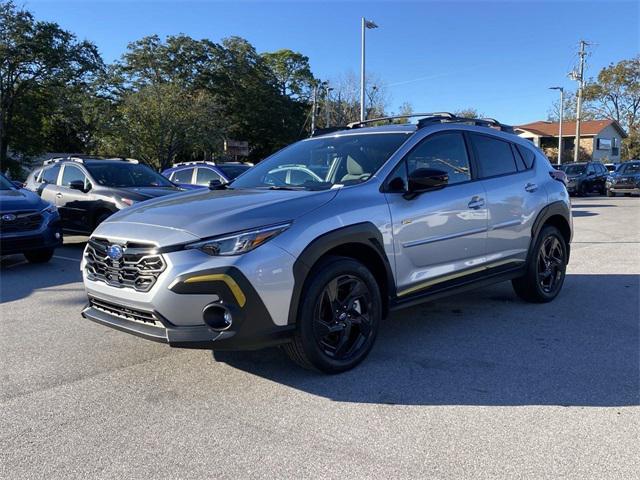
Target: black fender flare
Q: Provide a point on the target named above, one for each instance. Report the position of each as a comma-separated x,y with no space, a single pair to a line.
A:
558,208
365,233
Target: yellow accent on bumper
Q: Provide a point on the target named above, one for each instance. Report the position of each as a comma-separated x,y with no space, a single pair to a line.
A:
231,283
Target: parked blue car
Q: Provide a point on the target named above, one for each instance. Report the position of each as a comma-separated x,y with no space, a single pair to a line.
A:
28,224
192,175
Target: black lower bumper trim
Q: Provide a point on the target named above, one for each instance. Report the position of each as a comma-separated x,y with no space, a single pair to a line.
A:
197,336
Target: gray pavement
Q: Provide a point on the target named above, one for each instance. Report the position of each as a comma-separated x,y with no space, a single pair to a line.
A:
475,386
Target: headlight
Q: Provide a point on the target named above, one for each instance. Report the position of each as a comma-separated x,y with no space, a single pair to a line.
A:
241,242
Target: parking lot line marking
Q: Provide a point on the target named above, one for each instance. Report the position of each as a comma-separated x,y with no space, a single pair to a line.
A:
67,258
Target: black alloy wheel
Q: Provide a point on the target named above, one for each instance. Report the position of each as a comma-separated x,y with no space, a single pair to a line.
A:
550,264
342,323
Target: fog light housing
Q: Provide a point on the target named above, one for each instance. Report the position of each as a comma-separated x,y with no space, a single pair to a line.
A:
217,317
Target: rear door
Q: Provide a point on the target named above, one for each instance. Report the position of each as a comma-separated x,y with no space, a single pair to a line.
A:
514,197
439,235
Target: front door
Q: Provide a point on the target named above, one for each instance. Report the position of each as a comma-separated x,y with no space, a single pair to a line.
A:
438,235
74,205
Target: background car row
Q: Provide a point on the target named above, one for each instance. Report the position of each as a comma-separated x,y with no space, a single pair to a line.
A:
75,194
594,177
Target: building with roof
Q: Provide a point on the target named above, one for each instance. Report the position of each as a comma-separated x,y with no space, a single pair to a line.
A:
599,139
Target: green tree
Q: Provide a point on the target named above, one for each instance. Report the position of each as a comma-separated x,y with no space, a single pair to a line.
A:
615,94
292,72
38,62
468,113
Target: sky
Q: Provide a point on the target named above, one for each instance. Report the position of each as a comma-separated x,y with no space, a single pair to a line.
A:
497,57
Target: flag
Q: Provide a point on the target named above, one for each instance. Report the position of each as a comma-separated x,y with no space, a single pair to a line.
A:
369,24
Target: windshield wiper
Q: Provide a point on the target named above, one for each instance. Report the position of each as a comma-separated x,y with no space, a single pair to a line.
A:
281,187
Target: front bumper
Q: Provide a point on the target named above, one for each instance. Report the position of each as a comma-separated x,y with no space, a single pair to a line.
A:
173,307
625,189
48,236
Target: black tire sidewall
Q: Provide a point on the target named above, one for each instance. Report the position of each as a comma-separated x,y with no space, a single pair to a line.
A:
545,233
319,277
39,256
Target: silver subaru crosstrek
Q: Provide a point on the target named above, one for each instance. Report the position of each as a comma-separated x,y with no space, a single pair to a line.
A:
311,248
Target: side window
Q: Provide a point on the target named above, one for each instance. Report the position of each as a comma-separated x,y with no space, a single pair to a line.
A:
70,174
518,157
494,156
527,155
182,176
37,176
205,175
446,152
50,175
590,169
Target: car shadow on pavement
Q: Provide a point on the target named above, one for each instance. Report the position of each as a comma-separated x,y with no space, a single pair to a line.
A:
489,348
19,278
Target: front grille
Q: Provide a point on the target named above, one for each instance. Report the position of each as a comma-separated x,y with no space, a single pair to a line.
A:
139,267
127,313
20,221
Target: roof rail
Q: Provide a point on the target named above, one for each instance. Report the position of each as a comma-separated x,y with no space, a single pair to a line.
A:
479,122
181,164
83,159
61,159
397,117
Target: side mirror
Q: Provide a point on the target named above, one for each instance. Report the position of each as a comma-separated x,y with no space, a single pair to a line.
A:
216,185
76,185
424,180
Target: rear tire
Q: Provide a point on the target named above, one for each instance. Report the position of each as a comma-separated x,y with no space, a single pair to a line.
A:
339,317
546,268
610,193
42,255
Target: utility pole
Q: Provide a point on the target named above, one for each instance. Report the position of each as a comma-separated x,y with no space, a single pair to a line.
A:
364,25
560,123
579,77
313,111
327,104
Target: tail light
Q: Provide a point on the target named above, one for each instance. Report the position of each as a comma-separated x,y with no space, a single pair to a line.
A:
559,175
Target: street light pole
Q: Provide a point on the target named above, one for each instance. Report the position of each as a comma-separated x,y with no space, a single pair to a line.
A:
364,25
560,123
579,77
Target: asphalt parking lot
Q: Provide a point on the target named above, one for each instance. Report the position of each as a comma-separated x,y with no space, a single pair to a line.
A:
475,386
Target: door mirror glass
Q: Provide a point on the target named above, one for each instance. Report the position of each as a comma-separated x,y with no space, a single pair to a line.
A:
216,184
76,185
426,179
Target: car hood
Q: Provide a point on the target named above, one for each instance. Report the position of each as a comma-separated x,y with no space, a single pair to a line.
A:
144,193
207,213
626,175
12,200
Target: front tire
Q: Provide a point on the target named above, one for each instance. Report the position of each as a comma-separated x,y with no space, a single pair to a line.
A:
339,317
42,255
546,268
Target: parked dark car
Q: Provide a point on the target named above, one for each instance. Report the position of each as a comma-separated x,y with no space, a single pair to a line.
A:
585,177
193,175
88,190
28,224
625,180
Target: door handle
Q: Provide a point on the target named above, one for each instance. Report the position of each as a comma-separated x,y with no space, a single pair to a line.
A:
59,195
476,202
531,187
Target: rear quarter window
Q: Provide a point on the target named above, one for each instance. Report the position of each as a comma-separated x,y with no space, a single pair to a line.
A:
528,155
495,156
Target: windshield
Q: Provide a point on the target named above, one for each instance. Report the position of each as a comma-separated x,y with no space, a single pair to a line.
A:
574,169
232,171
630,169
320,163
6,184
120,174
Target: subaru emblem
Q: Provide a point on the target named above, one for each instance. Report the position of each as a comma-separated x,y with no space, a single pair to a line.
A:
8,217
115,252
